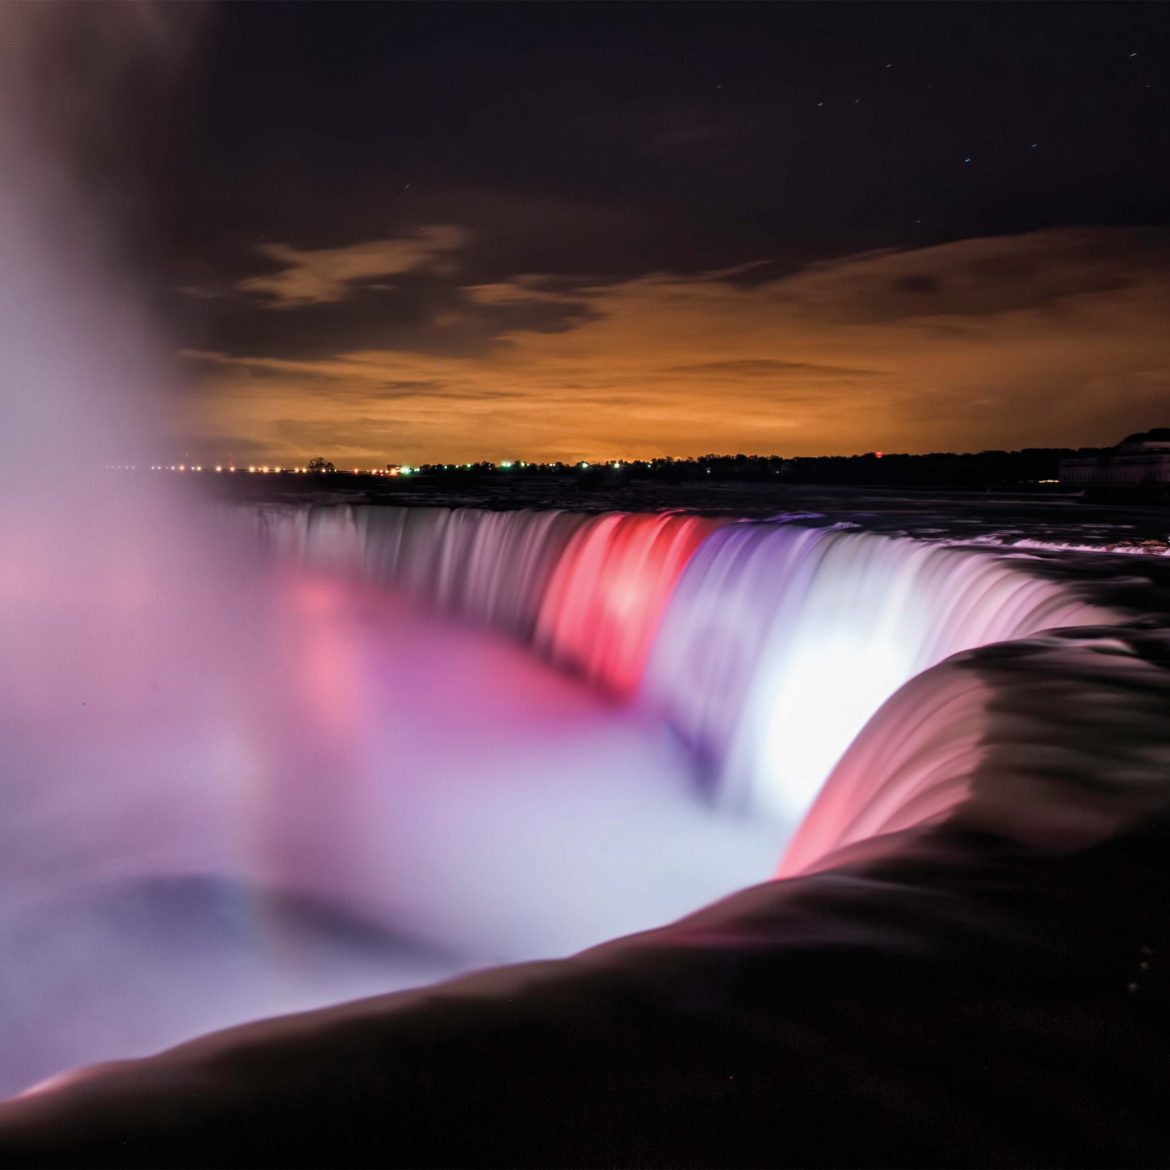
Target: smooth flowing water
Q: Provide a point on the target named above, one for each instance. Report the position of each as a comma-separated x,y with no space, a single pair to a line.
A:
764,645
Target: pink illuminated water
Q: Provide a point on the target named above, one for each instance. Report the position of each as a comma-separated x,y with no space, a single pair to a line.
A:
240,785
601,610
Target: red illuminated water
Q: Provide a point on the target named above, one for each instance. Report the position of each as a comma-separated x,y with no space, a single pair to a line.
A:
605,600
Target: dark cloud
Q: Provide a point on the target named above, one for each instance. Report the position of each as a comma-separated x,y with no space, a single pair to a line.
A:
428,312
918,284
971,278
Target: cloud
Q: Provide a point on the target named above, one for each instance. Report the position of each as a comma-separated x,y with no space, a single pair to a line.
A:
520,290
325,275
970,278
1049,338
769,368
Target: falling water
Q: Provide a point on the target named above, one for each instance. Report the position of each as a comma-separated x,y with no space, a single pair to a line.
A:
1056,742
765,646
587,590
603,604
782,640
285,732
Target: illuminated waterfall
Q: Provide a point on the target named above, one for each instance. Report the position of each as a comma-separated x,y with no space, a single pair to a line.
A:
587,590
1056,742
604,601
765,645
782,640
491,567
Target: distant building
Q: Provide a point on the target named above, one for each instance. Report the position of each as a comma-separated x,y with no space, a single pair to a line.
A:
1140,459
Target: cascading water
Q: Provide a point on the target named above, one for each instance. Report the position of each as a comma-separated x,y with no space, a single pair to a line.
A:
492,567
587,590
1055,742
782,640
606,597
1038,743
765,645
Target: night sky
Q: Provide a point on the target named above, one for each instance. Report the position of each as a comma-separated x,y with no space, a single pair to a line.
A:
397,233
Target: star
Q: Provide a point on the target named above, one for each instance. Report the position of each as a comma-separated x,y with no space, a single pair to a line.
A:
967,160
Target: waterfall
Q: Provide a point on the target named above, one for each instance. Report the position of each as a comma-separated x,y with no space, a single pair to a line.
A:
1056,742
491,567
766,646
603,604
782,640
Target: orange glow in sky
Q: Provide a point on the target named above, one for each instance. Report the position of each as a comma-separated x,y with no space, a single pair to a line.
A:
1050,338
